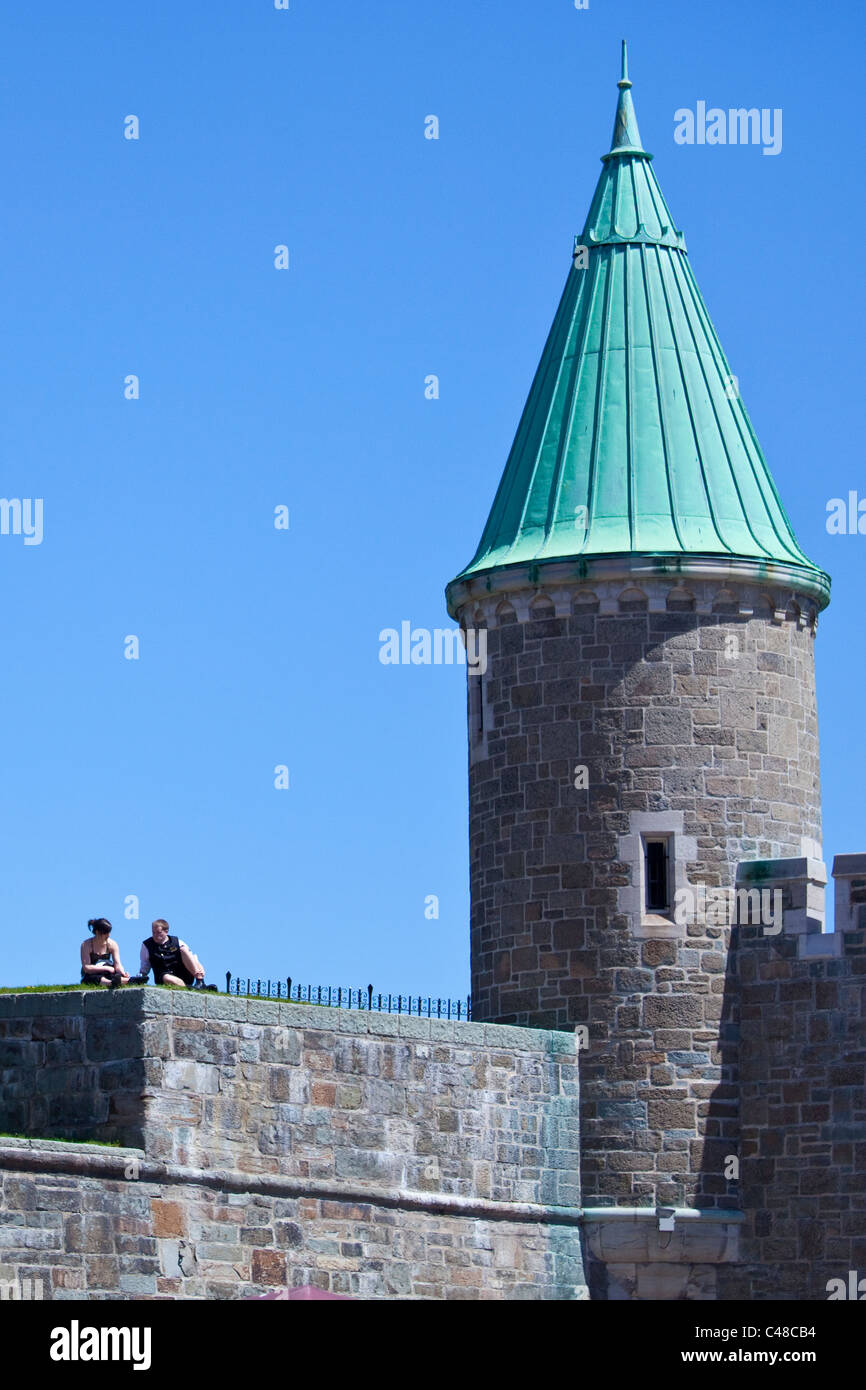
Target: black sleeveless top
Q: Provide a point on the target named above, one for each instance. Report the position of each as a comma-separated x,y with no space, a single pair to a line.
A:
96,960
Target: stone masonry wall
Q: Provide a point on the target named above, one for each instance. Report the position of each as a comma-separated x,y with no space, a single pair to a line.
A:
72,1226
802,1076
679,698
372,1155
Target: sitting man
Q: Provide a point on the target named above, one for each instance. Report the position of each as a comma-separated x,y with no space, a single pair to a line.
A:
171,960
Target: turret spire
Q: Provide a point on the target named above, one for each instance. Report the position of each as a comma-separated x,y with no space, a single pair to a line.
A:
626,136
634,441
623,81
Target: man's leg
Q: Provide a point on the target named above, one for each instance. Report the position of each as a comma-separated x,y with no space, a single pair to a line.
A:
192,963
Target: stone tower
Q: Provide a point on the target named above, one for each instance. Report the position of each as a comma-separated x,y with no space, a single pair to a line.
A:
646,725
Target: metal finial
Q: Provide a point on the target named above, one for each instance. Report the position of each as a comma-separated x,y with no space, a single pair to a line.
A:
624,82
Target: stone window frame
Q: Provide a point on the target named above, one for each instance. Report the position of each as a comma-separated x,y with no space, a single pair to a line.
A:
478,713
649,838
631,898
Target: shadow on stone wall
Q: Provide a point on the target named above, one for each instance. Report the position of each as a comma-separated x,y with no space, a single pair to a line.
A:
793,1047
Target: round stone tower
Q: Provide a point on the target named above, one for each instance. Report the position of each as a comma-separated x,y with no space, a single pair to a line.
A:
642,717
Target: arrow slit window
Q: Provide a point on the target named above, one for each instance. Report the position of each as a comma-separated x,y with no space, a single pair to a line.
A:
479,716
657,876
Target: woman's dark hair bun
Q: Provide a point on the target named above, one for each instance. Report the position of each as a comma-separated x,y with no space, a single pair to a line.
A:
94,922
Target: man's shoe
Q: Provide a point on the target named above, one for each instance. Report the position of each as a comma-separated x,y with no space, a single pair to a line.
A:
137,980
214,988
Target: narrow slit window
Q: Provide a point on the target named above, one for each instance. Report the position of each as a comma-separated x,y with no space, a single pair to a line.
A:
476,707
656,875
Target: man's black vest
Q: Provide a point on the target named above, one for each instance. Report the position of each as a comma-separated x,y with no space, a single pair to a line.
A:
164,956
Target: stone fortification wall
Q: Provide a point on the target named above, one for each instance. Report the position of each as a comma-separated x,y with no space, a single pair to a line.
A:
801,1065
280,1144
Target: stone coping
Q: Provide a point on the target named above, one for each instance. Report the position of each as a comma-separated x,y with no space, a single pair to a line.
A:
849,866
97,1161
102,1161
762,870
15,1142
143,1001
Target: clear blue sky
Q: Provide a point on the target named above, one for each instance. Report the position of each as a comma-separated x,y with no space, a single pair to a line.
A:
306,388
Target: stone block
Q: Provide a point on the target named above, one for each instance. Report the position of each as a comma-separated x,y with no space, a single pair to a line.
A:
169,1219
108,1040
323,1093
138,1285
228,1007
353,1021
671,1114
60,1005
410,1027
153,1001
269,1268
289,1084
202,1078
91,1235
263,1011
669,727
368,1166
187,1003
672,1011
101,1002
305,1016
280,1045
385,1026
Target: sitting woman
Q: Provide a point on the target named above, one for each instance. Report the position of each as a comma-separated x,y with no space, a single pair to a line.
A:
100,958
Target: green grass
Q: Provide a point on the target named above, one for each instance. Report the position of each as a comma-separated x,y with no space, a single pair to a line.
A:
65,1139
36,989
66,989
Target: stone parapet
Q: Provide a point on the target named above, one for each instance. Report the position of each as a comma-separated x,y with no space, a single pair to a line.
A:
273,1143
802,883
849,874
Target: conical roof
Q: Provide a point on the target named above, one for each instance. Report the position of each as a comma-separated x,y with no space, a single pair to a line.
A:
634,440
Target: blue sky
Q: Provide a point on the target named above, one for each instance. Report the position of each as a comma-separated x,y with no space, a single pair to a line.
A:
305,388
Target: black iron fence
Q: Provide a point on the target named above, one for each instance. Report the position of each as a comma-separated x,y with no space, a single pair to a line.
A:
343,997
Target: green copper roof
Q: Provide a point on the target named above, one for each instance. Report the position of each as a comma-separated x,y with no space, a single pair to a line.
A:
634,440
